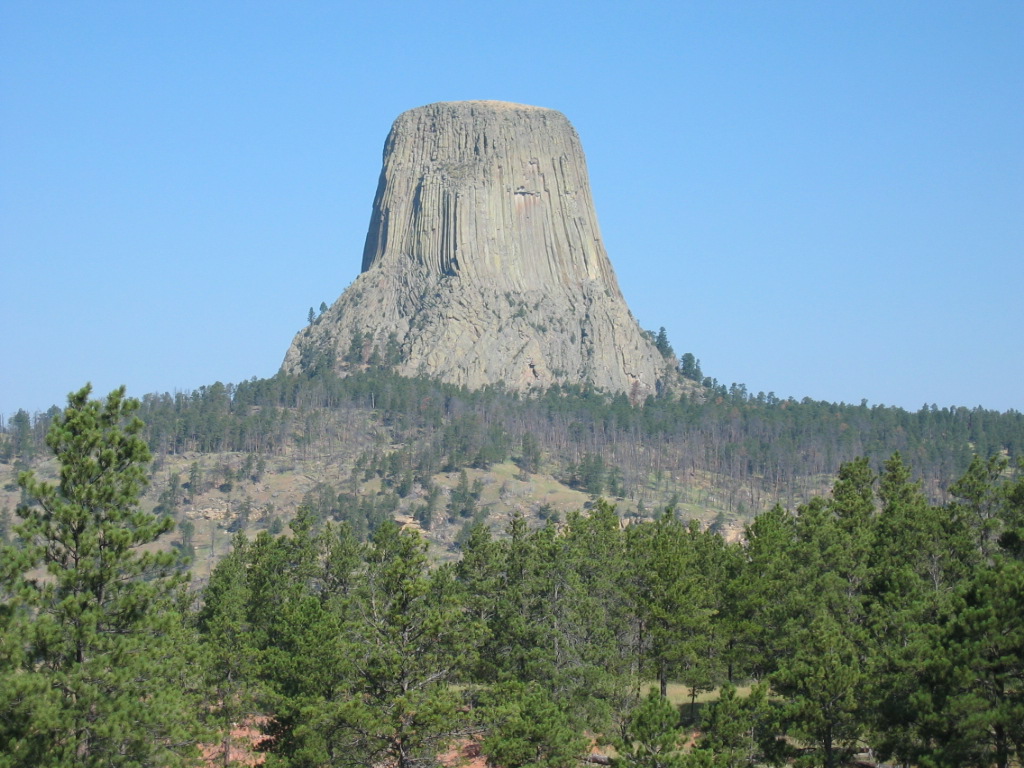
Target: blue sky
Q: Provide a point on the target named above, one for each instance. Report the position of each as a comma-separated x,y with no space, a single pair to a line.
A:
821,200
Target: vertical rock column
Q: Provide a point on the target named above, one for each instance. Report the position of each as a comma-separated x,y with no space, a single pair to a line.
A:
484,261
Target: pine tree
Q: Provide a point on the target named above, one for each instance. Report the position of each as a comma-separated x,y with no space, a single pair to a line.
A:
741,732
673,600
822,673
96,670
480,574
229,657
662,343
822,685
409,641
653,736
919,553
526,729
968,708
765,583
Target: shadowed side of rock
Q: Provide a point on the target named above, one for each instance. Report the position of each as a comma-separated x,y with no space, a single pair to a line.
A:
484,262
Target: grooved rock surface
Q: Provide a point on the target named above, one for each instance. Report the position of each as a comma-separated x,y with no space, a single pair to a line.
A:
484,262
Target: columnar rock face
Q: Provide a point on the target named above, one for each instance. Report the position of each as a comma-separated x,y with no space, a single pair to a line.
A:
484,262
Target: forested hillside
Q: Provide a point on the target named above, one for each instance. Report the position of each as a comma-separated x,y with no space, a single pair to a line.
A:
866,622
367,446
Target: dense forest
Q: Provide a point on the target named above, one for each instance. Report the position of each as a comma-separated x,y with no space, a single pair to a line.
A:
867,623
720,447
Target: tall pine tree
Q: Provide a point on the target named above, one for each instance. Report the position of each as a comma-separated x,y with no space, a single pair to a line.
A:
97,675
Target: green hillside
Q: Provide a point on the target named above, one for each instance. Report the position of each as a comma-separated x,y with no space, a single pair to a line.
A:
376,446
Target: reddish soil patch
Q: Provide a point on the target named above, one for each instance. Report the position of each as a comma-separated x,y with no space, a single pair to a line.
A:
245,741
464,753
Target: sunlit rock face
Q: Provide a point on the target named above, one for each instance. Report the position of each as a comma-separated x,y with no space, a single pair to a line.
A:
484,262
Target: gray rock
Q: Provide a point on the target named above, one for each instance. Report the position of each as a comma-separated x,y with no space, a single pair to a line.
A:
484,262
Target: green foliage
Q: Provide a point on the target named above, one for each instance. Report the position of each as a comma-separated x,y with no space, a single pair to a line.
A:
229,659
742,732
527,729
530,454
196,483
464,497
979,499
875,618
389,636
5,524
674,603
590,474
969,704
763,448
822,682
409,641
689,367
653,736
272,607
357,348
870,616
392,350
97,668
662,343
559,612
759,613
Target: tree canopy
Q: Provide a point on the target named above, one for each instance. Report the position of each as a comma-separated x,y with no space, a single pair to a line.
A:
870,616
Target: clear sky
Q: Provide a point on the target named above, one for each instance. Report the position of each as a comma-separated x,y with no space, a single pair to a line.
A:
817,199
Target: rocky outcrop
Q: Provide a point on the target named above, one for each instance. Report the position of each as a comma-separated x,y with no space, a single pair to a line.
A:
484,262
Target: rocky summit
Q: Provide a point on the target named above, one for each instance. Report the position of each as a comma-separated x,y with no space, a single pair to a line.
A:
484,262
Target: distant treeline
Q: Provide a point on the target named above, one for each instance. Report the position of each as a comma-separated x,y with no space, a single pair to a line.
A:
759,449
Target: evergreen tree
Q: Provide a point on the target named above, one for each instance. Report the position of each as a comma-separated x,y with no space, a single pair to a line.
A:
298,605
464,497
689,367
918,555
23,446
823,682
979,498
969,706
409,640
480,573
513,645
741,732
526,729
530,454
662,343
588,613
762,589
822,672
229,657
5,524
99,674
653,736
673,601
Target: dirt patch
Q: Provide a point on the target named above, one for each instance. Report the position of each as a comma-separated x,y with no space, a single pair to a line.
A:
242,748
464,753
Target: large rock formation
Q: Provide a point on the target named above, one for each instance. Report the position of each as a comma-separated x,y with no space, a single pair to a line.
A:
484,262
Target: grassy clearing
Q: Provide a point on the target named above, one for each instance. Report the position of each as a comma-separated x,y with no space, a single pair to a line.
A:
679,694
